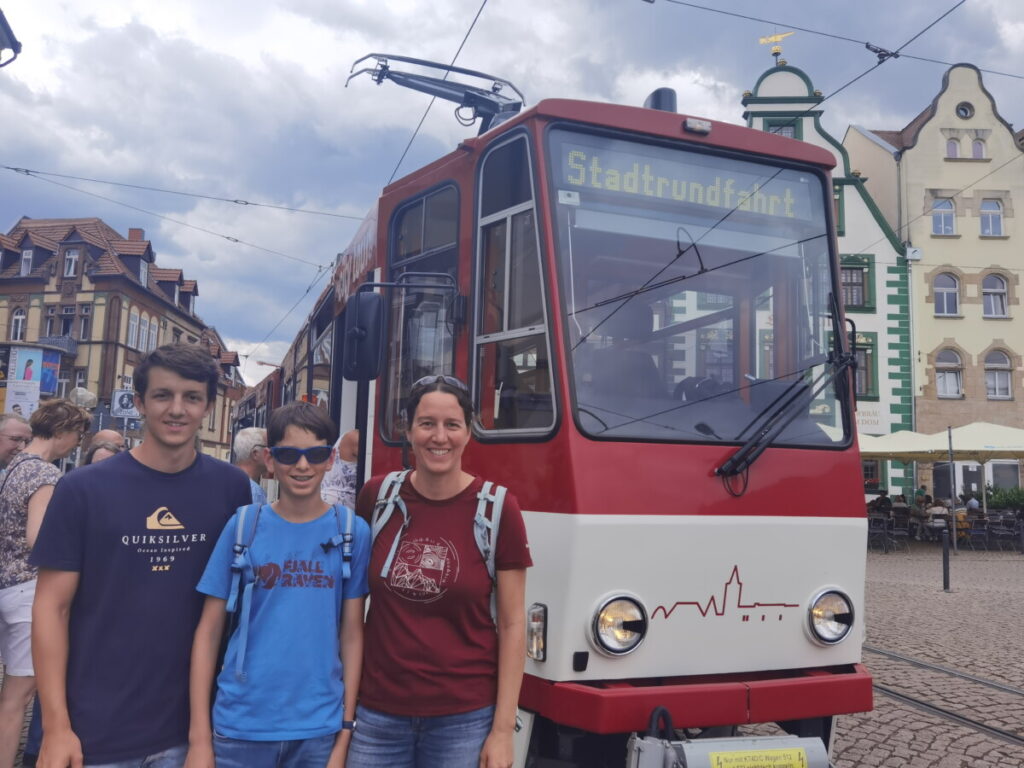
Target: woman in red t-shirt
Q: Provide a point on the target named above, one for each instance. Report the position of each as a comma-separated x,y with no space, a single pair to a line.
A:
440,682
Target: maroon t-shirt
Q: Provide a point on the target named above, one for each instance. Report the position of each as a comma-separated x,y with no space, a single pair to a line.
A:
431,646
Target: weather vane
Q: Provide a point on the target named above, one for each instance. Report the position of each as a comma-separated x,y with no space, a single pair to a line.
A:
776,49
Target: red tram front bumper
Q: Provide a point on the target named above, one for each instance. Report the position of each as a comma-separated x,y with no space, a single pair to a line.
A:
621,706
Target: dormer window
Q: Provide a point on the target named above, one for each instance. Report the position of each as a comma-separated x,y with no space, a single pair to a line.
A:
177,294
144,272
26,263
70,262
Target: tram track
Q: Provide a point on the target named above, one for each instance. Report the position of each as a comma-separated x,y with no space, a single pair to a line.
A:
944,712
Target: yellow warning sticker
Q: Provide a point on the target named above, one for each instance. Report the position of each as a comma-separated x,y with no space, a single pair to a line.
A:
760,758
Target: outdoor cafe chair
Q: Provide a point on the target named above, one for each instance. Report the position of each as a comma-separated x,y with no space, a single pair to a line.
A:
878,532
977,533
1004,531
899,531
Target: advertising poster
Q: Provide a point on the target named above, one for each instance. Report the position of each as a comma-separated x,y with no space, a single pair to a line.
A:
26,364
22,397
50,370
5,356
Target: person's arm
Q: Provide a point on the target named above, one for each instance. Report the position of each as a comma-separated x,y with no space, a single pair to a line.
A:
498,748
205,647
36,509
351,639
55,591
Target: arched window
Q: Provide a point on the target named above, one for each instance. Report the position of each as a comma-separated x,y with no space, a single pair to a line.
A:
143,332
153,334
952,148
133,328
993,291
991,218
997,375
948,374
947,295
18,325
978,149
943,217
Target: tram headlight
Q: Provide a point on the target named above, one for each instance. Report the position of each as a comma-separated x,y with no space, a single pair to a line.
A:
537,632
830,616
620,625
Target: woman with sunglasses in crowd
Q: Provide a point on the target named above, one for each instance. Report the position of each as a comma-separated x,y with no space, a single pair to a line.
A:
441,675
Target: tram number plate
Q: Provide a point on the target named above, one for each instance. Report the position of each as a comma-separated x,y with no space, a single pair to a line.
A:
760,758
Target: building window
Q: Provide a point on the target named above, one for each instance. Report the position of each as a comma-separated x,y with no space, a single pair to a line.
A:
952,148
176,333
211,422
866,377
71,262
991,218
26,263
18,325
143,333
872,469
83,331
993,291
978,149
947,295
153,334
133,328
997,375
80,377
943,217
143,272
49,326
790,127
948,374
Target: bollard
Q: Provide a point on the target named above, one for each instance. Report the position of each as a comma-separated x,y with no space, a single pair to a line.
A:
945,560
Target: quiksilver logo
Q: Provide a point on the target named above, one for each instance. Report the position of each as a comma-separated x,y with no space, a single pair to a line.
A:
163,520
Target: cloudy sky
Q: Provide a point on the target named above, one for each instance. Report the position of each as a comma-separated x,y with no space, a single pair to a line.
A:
247,100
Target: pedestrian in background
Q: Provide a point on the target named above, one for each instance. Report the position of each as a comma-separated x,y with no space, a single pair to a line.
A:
249,448
57,427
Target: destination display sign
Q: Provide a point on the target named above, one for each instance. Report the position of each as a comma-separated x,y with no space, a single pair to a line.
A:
642,171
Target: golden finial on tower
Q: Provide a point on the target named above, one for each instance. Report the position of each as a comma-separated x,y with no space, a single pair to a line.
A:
776,49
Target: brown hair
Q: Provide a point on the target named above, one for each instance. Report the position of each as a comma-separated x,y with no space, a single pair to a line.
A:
438,384
190,361
55,416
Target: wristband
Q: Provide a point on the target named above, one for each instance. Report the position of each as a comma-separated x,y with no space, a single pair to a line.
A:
348,725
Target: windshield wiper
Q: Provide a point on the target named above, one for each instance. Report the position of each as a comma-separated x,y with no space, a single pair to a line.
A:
786,412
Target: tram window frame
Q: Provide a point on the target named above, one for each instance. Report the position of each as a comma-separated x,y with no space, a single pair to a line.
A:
498,342
441,257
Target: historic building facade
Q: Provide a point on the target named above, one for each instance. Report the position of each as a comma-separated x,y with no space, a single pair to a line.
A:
948,182
872,260
79,286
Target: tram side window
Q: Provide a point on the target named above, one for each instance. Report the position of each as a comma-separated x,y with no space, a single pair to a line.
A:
420,342
513,370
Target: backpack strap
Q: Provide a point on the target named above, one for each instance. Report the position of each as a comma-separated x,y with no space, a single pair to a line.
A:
485,531
243,578
387,500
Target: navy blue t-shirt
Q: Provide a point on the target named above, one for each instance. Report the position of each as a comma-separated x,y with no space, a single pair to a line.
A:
139,540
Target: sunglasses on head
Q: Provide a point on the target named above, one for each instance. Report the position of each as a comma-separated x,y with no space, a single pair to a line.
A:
451,381
285,454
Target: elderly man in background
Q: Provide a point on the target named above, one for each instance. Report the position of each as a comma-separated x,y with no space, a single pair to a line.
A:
249,457
15,434
339,484
109,436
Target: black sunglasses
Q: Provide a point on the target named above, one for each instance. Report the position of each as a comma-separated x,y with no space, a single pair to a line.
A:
285,454
451,381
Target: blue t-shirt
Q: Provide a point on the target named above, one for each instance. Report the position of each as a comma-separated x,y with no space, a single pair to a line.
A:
293,687
259,496
139,540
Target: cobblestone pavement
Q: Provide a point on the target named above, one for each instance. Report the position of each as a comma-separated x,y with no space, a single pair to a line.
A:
977,628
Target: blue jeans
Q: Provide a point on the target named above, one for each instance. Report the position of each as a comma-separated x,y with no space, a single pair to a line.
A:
392,741
169,758
300,753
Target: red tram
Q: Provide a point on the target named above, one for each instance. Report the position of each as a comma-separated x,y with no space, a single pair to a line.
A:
643,305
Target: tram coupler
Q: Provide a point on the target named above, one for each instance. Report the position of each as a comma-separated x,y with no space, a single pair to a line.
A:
659,748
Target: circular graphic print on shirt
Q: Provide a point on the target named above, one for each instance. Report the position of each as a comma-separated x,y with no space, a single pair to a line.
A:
423,569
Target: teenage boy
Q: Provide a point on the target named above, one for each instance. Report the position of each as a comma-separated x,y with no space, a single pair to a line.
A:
121,548
286,693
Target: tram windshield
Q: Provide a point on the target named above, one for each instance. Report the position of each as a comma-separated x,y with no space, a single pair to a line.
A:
696,293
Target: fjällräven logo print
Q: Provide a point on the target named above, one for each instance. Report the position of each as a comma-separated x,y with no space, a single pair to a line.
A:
163,520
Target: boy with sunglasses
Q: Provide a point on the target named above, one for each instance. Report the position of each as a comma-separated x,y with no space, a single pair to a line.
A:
286,692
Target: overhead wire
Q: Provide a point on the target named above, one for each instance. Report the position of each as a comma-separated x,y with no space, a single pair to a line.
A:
199,195
434,98
831,35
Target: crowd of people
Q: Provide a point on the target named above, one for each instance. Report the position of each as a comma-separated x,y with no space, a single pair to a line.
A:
926,517
169,616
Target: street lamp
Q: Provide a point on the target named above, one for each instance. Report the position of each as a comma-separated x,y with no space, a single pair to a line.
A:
8,42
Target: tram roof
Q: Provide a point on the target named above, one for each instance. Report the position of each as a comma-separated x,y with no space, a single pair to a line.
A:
651,122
